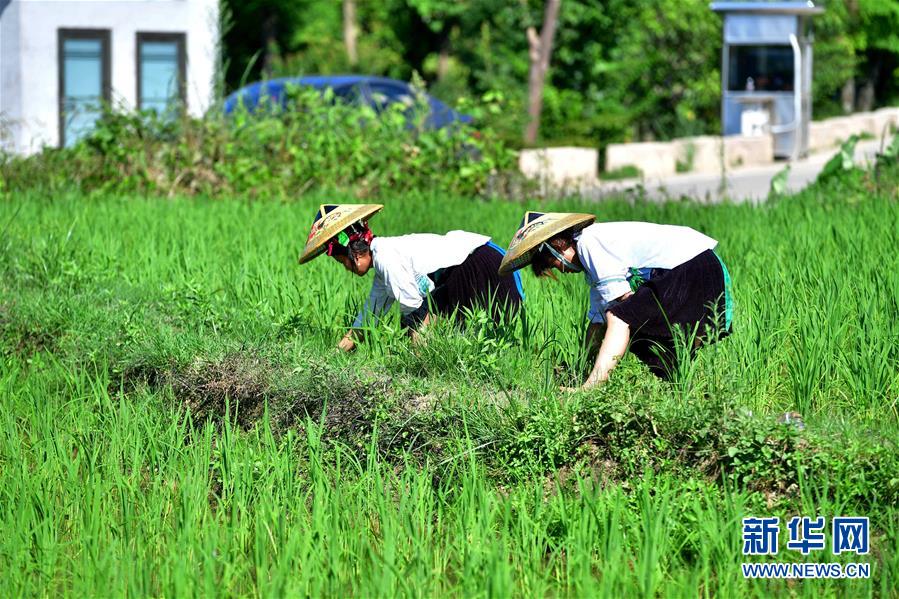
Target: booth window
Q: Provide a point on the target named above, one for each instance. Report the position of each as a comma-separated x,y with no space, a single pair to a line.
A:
161,66
760,68
83,62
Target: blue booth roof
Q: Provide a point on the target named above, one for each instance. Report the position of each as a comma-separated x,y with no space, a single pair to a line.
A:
771,8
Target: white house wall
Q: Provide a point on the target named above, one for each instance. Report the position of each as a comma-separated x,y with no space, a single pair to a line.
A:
10,68
37,23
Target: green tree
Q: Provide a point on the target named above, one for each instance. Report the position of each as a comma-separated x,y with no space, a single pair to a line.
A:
834,60
620,69
665,71
257,31
318,45
877,48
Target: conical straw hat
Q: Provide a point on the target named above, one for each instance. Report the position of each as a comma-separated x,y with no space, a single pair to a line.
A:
330,220
537,227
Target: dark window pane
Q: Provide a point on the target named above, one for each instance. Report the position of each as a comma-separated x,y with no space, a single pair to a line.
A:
159,75
762,68
82,81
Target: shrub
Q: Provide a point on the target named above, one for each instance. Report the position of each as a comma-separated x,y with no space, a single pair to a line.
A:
312,143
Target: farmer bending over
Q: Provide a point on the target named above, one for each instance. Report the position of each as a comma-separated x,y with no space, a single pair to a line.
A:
645,281
455,271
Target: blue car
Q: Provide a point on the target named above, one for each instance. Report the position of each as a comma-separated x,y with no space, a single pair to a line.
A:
377,92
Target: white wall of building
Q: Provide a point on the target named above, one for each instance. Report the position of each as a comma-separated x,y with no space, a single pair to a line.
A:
29,69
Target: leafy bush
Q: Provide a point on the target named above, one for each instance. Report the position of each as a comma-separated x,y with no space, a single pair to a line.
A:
315,142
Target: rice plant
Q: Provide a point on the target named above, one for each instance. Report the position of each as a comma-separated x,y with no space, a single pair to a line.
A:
175,419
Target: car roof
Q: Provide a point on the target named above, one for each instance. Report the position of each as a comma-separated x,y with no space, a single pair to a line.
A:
332,80
253,91
321,81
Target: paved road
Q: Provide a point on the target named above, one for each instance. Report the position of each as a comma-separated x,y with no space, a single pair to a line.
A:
744,184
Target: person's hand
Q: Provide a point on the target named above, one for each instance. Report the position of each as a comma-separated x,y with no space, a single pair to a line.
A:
587,385
419,334
590,383
347,344
417,337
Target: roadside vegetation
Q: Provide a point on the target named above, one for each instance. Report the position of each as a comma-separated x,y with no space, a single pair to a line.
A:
314,142
175,419
618,70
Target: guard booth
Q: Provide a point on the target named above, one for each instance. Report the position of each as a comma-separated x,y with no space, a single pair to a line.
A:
766,72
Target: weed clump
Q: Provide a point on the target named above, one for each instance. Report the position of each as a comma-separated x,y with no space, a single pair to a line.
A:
19,337
236,387
244,388
613,437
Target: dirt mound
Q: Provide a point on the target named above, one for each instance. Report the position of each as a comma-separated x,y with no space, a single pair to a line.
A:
209,390
242,386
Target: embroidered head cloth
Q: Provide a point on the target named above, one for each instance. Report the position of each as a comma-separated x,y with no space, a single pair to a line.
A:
355,232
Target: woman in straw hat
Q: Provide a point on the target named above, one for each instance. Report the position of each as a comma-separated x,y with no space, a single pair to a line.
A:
426,274
648,284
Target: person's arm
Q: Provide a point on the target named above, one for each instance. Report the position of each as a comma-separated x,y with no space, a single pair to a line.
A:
613,348
378,302
405,288
607,274
597,327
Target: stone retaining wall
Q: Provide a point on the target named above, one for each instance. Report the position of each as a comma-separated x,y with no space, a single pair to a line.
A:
691,154
560,167
574,168
830,133
704,154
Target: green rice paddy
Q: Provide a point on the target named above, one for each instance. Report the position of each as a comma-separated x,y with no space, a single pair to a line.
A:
176,421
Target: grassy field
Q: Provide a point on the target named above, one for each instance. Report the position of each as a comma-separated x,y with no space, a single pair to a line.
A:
175,421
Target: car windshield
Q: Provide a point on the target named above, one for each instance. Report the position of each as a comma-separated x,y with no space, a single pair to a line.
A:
384,95
351,94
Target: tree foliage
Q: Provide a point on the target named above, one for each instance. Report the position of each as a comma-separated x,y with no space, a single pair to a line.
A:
620,69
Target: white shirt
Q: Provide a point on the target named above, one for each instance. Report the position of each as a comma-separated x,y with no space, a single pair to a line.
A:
402,265
608,250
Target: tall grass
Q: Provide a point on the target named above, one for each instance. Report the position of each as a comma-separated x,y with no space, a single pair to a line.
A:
174,419
114,495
